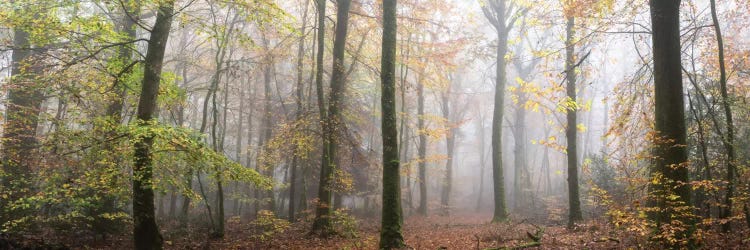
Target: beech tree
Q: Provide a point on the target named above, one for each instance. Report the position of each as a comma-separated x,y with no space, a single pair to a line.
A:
332,125
728,140
145,231
574,200
392,217
24,101
670,172
502,16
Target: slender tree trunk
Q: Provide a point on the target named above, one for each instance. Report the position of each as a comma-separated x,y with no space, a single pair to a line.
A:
321,6
238,147
520,160
266,127
160,208
333,123
670,152
522,183
319,70
422,150
450,143
218,140
218,146
574,201
605,137
314,71
249,155
482,161
701,196
728,140
495,12
498,182
546,172
185,208
392,219
145,231
221,48
300,109
588,133
172,204
404,132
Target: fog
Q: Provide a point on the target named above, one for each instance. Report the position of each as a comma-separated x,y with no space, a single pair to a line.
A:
214,117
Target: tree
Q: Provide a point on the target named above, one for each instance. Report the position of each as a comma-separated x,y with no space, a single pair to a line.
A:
728,139
404,133
481,128
422,149
670,172
332,124
266,124
300,109
524,67
574,200
450,145
502,18
145,231
321,6
454,109
25,99
392,219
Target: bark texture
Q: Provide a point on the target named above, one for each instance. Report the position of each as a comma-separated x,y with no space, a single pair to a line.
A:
392,215
671,156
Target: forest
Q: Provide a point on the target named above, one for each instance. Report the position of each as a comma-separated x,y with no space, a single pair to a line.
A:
374,124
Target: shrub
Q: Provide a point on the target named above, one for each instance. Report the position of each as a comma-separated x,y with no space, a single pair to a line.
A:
266,225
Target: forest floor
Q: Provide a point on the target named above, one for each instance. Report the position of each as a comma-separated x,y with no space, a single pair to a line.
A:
458,231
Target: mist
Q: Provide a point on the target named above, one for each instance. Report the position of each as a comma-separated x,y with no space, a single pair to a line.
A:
389,124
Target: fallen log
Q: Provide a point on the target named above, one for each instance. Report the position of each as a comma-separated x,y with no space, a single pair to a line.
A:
536,241
606,239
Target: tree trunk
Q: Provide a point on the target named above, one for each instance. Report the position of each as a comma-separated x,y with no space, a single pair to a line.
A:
266,127
521,185
249,156
728,140
218,146
145,231
19,140
498,182
172,204
450,143
323,223
185,208
403,131
392,219
700,197
238,147
670,152
495,12
482,160
332,123
422,150
300,110
574,201
520,140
